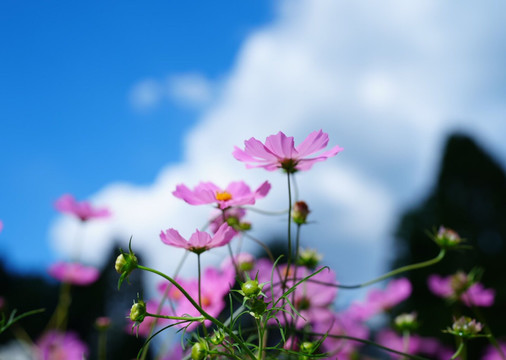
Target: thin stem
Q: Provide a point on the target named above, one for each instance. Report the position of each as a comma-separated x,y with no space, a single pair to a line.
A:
368,342
202,311
405,341
297,240
397,271
260,339
200,280
160,306
102,345
488,331
182,318
265,212
461,351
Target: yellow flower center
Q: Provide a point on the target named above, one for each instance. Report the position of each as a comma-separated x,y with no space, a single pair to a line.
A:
223,195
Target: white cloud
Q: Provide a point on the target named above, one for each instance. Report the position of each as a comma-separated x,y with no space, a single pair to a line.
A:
387,80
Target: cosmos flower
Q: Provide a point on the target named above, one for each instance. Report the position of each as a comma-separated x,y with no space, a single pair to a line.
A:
460,287
491,353
199,241
58,345
74,273
279,152
378,300
83,210
237,193
215,285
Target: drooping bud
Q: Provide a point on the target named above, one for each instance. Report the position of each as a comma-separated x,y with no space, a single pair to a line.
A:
309,258
300,211
199,350
447,238
406,322
138,311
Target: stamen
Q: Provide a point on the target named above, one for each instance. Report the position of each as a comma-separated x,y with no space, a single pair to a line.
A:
223,195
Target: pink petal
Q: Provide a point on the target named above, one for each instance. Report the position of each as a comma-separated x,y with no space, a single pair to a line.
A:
173,238
199,239
440,286
281,145
314,142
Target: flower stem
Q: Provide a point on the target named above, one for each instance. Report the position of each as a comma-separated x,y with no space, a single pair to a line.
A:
102,345
461,351
202,311
200,280
397,271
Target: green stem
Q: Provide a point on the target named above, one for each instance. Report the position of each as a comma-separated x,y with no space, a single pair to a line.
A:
368,342
488,331
201,311
183,318
200,280
260,340
102,345
461,351
397,271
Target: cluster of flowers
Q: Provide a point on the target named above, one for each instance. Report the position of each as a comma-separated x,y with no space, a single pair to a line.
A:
291,302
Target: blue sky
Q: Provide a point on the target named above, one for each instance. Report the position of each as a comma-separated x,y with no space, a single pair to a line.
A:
120,103
66,121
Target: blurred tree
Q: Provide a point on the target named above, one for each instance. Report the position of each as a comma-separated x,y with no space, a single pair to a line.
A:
469,197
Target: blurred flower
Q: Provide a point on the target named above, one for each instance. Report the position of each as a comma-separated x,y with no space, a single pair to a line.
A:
54,345
309,258
199,241
300,212
378,300
279,152
461,287
491,353
102,323
447,238
465,327
215,285
237,193
406,322
74,273
83,210
392,340
232,217
244,261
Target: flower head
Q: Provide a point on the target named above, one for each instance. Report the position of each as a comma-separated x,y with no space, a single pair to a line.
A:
237,193
74,273
465,327
461,287
58,345
83,210
279,152
199,241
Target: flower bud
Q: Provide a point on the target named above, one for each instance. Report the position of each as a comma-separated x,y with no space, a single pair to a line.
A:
406,322
300,212
258,307
138,311
309,258
217,337
307,347
251,288
447,238
199,350
466,327
102,323
125,264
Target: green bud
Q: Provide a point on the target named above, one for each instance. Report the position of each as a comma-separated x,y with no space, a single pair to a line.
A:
309,258
245,226
199,350
258,307
251,288
125,264
466,327
447,238
300,212
217,337
406,322
307,347
138,311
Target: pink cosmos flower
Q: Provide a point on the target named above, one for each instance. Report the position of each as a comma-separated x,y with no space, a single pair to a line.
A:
199,241
342,324
58,345
491,352
74,273
279,152
459,287
392,340
233,217
312,299
215,285
378,300
82,210
237,193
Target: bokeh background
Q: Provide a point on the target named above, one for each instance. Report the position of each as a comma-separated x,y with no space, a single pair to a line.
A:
120,102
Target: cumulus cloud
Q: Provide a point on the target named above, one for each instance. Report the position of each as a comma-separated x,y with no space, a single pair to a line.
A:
387,80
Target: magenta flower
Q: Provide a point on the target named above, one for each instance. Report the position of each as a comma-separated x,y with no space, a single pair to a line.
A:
58,345
378,300
237,193
199,241
491,353
215,285
233,217
460,287
83,210
74,273
279,152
